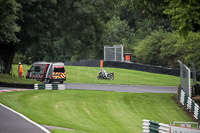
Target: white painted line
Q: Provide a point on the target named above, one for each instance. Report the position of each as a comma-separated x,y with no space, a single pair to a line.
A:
26,118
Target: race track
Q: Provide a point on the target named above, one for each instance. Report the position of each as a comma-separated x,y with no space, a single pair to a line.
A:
122,88
14,123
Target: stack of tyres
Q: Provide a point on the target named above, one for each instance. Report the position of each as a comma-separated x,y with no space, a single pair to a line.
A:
49,86
39,86
54,86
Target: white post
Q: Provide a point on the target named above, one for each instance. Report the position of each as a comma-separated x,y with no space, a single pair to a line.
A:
189,84
115,53
122,53
104,52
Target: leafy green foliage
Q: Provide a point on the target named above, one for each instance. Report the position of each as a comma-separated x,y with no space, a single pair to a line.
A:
189,48
185,15
118,33
156,47
61,30
166,48
8,17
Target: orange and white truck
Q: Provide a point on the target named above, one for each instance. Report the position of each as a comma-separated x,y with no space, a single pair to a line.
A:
47,72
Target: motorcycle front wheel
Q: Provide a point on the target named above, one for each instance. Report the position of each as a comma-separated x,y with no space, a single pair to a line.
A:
99,78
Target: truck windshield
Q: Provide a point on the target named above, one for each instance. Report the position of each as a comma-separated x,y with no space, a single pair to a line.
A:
59,69
32,68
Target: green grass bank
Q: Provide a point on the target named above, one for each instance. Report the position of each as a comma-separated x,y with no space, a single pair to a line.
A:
76,74
121,76
6,78
94,111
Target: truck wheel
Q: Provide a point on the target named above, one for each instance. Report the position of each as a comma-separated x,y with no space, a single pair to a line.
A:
48,81
61,82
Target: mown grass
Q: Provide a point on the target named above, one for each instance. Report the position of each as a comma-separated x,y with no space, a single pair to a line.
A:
6,78
122,76
95,111
13,77
76,74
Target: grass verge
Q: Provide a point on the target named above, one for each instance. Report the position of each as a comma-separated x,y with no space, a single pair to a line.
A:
122,76
76,74
6,78
94,111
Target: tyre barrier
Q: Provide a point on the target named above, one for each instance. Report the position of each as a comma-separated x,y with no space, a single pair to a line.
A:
49,86
15,85
154,127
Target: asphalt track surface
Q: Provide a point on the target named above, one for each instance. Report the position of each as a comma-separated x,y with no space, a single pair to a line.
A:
11,122
123,88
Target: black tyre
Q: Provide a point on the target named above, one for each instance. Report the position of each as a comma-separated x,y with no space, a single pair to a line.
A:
110,78
99,78
48,81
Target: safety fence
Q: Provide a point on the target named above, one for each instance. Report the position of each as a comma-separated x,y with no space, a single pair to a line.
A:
188,103
113,53
154,127
49,86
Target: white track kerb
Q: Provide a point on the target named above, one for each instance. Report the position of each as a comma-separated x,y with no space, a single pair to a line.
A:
26,118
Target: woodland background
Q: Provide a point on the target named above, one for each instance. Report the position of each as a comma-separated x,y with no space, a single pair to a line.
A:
156,32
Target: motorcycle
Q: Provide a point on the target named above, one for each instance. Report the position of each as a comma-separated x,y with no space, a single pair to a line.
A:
110,76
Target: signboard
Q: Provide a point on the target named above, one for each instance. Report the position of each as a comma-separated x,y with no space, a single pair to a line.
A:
175,129
127,57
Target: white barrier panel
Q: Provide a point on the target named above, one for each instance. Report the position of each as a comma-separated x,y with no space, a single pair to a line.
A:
189,103
175,129
182,97
196,111
49,86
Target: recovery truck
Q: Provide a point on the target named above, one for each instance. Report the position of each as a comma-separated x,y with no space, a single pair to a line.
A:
47,72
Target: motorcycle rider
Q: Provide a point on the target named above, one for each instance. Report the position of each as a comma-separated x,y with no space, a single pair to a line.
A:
104,72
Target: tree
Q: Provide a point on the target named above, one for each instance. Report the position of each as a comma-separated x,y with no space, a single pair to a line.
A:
118,32
159,49
185,15
8,29
60,30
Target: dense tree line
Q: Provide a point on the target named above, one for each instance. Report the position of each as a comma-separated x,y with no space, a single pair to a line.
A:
155,32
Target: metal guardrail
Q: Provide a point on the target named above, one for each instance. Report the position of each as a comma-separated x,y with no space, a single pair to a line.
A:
154,127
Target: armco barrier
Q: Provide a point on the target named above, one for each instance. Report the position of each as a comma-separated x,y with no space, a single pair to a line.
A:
49,86
155,127
189,103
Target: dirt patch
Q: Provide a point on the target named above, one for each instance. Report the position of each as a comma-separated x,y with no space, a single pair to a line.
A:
190,114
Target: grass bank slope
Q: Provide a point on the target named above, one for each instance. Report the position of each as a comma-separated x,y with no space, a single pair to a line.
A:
94,111
6,78
76,74
122,76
